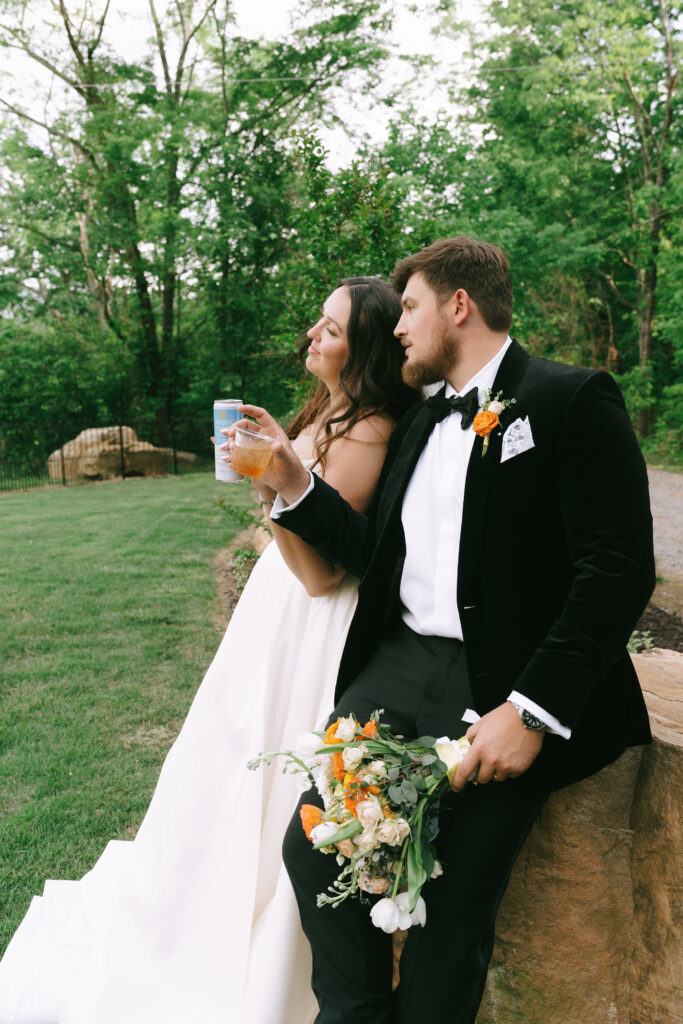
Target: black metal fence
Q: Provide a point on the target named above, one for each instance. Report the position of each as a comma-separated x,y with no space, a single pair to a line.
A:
98,453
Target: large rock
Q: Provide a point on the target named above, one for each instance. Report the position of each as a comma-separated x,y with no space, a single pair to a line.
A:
589,930
101,453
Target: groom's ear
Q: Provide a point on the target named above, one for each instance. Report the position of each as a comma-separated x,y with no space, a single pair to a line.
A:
459,307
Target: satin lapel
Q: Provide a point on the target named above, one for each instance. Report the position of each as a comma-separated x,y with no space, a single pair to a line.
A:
481,468
404,463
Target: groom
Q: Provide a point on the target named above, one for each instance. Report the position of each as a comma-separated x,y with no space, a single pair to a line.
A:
503,566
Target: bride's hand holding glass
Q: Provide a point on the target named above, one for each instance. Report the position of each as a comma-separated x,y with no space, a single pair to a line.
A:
284,471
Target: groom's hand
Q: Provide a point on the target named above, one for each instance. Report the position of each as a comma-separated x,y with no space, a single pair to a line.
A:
285,472
501,748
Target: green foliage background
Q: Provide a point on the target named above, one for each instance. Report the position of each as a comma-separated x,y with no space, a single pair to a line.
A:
168,227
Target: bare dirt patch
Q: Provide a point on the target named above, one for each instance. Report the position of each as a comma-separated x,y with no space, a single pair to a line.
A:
665,628
231,568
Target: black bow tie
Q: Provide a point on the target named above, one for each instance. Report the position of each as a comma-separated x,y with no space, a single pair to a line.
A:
467,405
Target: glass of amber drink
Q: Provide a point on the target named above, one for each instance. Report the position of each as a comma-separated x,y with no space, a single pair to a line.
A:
250,454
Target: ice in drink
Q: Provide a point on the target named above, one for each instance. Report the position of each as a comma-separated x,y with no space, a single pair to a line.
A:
251,453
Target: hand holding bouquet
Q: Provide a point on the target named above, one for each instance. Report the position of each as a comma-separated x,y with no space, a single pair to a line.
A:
380,796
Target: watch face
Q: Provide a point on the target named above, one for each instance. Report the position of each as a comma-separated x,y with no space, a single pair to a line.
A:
530,721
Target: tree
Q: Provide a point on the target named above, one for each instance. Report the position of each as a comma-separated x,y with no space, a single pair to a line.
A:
161,207
579,104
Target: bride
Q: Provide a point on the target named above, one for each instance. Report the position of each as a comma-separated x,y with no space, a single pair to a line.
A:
194,920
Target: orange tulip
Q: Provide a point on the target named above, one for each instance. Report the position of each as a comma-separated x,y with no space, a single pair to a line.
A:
310,817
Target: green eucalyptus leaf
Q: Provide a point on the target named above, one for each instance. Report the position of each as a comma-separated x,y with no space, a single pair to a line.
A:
409,791
425,741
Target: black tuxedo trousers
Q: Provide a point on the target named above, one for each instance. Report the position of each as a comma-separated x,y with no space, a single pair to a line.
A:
555,567
423,687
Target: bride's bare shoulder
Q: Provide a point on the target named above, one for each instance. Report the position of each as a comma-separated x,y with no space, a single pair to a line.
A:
376,428
304,443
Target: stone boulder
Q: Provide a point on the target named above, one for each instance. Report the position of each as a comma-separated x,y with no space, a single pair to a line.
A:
589,930
102,453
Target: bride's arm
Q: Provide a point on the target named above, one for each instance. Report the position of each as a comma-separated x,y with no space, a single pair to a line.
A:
353,465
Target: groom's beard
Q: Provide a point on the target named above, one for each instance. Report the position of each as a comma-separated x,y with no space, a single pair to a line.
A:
438,364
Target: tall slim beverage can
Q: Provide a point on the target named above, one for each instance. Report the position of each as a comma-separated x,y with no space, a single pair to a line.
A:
225,412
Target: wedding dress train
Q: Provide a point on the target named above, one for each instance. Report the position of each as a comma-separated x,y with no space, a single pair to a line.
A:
195,920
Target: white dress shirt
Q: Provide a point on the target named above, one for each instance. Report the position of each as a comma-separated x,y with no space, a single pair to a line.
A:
432,518
432,521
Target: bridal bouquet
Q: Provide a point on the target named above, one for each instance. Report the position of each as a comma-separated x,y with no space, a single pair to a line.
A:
381,800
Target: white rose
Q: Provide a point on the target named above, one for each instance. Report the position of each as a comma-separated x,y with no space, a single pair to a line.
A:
386,915
367,840
418,916
346,729
388,832
496,408
438,870
353,756
369,812
378,769
403,828
324,831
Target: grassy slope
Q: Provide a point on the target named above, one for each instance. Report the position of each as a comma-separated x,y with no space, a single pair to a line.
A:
106,595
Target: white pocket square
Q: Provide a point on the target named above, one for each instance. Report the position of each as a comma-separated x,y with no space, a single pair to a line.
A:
516,439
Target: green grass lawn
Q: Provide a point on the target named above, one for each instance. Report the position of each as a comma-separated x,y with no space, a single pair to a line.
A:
106,600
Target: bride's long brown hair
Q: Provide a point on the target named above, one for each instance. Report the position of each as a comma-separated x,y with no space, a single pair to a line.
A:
370,380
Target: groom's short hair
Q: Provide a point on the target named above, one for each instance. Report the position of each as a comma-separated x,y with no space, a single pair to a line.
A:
480,268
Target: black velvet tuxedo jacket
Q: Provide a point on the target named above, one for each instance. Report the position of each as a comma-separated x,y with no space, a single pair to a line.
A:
555,565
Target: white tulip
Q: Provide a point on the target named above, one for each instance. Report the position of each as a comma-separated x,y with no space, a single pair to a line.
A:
451,752
306,745
324,831
385,915
418,916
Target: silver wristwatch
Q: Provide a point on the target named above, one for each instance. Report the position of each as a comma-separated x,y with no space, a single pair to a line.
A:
529,721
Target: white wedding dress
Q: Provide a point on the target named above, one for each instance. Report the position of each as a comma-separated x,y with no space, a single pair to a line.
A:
194,921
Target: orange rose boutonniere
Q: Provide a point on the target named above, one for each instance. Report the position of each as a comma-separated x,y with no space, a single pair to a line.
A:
487,420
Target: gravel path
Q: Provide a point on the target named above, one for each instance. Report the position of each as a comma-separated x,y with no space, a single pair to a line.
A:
666,496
